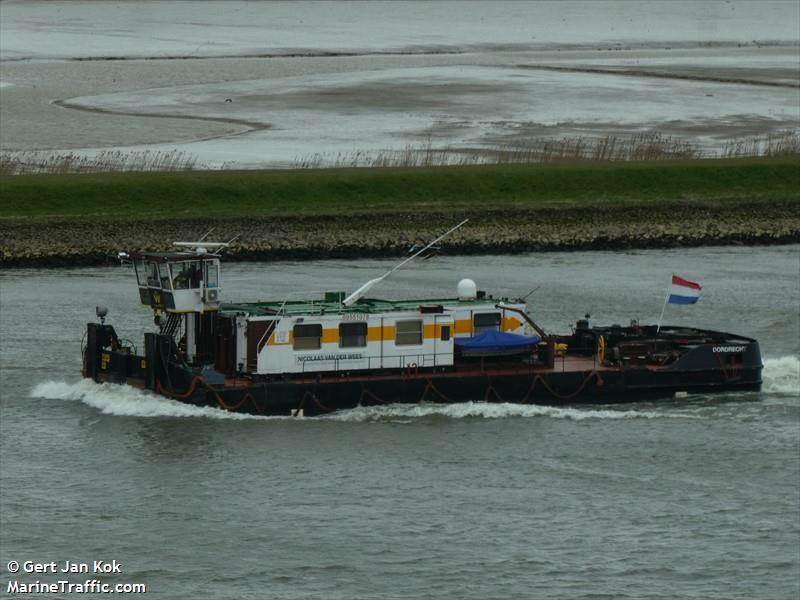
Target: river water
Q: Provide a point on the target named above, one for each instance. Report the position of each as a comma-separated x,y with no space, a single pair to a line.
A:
689,498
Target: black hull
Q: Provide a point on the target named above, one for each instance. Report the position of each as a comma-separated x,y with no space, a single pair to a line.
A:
702,370
315,398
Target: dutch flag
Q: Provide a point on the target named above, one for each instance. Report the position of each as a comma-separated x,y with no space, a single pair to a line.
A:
683,291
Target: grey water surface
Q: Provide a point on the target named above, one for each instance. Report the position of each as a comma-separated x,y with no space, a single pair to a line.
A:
687,498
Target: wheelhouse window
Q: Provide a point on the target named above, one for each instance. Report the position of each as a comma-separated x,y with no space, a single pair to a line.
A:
408,333
141,272
352,335
187,275
212,274
307,337
483,322
152,275
163,273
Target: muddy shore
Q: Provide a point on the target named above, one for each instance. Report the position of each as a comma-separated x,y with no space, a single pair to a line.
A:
69,243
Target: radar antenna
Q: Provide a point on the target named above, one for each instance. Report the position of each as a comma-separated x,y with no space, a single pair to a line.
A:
359,293
201,247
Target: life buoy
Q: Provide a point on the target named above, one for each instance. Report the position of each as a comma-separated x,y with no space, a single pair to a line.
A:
601,349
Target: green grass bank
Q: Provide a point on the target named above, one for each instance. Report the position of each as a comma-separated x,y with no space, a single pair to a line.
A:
80,219
331,191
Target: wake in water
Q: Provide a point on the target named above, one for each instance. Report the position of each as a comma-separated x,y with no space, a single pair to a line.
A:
126,401
502,410
781,376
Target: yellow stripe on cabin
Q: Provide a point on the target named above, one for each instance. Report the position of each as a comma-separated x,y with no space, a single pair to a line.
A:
463,326
511,324
376,334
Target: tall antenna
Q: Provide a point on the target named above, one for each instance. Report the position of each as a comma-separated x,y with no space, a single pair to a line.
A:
206,234
202,247
354,297
229,242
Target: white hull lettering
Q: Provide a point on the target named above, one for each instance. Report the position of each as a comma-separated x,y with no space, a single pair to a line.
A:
322,357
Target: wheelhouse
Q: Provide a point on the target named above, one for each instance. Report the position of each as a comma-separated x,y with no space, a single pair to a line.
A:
178,282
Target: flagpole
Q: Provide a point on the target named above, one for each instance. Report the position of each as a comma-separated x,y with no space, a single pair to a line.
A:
663,308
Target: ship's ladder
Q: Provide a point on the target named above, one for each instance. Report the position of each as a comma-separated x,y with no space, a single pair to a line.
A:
252,361
171,325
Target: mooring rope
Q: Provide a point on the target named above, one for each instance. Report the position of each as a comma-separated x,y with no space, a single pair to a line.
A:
527,395
316,400
490,390
729,372
366,392
436,391
197,380
300,407
588,378
173,394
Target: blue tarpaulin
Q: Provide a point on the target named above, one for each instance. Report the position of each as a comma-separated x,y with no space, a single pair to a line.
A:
496,341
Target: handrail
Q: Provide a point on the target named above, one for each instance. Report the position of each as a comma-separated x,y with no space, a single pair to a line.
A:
295,294
551,344
408,370
525,316
267,332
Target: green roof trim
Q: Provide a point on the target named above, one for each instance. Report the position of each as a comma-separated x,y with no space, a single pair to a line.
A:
363,306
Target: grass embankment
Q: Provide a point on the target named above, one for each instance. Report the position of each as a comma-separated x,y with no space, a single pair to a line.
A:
56,218
331,191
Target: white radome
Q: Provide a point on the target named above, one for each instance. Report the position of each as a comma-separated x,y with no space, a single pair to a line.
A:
467,290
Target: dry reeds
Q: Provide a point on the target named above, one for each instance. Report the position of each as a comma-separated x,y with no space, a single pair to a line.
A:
107,161
780,144
640,147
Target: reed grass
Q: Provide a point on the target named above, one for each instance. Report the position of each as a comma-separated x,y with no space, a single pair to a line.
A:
107,161
781,144
647,146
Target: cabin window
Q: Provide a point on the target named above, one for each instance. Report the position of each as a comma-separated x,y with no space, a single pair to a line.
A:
408,333
307,337
352,335
445,333
163,273
212,272
152,275
187,275
483,322
141,272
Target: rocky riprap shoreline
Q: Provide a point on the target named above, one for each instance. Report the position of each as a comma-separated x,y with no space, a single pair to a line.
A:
95,241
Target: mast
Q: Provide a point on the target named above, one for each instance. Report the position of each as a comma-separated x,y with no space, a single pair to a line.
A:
359,293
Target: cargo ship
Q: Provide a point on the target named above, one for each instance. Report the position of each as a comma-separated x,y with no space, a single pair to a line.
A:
308,357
